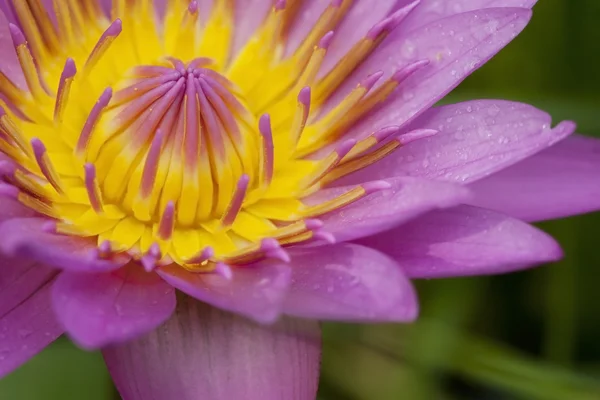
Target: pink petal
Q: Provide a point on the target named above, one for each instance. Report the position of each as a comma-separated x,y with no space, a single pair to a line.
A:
476,139
97,310
255,291
434,10
26,329
19,279
406,199
463,241
27,238
455,46
205,353
560,181
349,282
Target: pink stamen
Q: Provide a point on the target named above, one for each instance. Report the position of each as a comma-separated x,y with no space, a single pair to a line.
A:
375,186
400,75
192,125
371,80
64,87
206,254
264,126
167,222
416,135
39,151
91,186
236,202
92,120
272,249
104,251
151,165
151,258
385,133
326,40
103,43
224,271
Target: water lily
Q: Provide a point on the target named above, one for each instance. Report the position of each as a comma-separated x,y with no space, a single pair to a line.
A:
190,185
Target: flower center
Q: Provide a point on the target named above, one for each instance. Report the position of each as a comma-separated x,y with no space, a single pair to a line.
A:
157,144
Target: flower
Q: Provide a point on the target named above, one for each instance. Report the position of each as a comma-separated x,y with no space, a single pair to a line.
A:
268,159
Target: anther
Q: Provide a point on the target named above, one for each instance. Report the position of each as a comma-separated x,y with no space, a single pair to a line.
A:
45,165
107,38
167,222
236,202
64,88
92,120
92,188
264,126
224,271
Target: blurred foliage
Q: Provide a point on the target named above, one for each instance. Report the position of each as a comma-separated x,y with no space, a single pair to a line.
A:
530,335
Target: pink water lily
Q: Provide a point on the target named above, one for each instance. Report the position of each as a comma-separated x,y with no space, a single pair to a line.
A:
190,186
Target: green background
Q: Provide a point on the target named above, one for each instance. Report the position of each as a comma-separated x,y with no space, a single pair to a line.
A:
529,335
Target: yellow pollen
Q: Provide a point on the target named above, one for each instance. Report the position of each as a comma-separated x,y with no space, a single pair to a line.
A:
152,137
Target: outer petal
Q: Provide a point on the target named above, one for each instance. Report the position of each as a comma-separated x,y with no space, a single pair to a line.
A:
433,10
560,181
463,241
97,310
406,199
204,353
349,282
26,329
476,138
455,47
255,291
27,238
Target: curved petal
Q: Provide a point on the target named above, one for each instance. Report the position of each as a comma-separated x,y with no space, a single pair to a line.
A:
255,291
434,10
455,46
97,310
27,238
349,282
464,241
406,199
475,139
26,329
205,353
560,181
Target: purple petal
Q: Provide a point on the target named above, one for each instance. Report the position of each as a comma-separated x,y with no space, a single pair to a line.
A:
433,10
205,353
560,181
455,46
476,139
97,310
27,238
26,329
255,291
19,279
464,241
349,282
10,208
406,199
